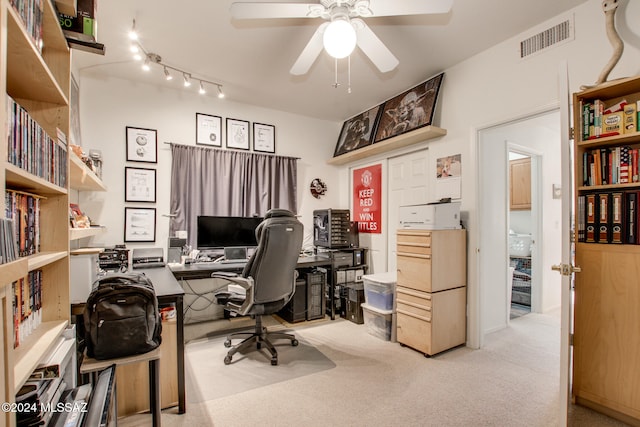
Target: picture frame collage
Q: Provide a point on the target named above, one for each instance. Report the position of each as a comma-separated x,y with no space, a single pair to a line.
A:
140,184
238,135
405,112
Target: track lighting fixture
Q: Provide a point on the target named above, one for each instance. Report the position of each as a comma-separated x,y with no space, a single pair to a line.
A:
150,58
167,74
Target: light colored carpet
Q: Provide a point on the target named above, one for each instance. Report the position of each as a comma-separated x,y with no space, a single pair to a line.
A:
209,378
512,381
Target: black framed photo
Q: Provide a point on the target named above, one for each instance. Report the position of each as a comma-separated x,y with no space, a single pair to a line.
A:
264,138
208,130
139,185
410,110
237,134
358,131
142,145
139,224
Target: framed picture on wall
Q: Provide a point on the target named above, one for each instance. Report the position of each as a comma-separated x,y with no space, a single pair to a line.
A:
139,185
139,224
237,134
264,138
208,130
358,131
410,110
142,145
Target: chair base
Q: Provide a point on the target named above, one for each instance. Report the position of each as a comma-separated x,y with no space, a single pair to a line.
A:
261,337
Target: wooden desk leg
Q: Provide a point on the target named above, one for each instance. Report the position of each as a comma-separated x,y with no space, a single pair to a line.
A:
154,391
180,337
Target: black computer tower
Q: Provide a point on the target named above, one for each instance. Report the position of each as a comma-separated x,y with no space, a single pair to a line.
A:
332,228
316,303
295,310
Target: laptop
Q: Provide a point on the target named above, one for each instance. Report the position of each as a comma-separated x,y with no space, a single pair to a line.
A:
235,254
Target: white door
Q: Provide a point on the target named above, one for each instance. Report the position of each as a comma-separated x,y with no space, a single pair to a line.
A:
566,266
408,185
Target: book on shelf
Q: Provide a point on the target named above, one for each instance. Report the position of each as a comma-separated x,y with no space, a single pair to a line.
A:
8,244
54,365
598,120
609,217
611,165
24,210
27,305
32,14
31,149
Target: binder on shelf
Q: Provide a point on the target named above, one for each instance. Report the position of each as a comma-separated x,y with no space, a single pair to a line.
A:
581,218
604,214
591,218
631,208
617,209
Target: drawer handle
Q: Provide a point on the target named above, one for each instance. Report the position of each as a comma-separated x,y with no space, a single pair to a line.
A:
409,233
413,304
410,255
415,245
413,293
415,316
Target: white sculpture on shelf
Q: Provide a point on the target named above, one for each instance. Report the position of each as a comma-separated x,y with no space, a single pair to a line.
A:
609,7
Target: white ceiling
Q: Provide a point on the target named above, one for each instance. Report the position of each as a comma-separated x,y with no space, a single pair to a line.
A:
252,58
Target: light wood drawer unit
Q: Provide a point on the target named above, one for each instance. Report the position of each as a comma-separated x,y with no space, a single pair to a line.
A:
431,322
431,260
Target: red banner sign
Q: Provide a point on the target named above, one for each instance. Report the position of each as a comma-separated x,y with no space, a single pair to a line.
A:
367,199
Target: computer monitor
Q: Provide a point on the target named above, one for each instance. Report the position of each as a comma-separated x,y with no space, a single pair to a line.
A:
217,232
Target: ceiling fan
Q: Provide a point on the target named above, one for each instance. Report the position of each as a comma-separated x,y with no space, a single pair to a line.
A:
344,29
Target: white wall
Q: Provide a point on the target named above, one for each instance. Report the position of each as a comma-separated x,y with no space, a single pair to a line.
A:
492,87
109,105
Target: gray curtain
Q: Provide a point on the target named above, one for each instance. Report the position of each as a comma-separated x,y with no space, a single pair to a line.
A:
207,181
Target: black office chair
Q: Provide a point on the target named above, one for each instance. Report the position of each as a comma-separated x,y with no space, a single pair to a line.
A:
268,278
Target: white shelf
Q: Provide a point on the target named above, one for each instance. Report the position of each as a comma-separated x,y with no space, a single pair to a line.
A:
409,138
81,177
81,233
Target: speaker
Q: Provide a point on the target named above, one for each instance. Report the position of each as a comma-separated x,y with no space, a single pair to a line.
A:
174,255
177,242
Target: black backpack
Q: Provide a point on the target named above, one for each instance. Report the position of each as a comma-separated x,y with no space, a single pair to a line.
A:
121,317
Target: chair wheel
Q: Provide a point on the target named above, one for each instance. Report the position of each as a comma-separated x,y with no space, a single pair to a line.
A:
227,343
274,361
294,343
227,360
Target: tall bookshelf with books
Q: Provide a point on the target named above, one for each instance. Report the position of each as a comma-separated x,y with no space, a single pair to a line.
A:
35,64
606,342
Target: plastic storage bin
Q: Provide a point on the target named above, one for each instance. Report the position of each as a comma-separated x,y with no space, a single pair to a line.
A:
379,290
377,321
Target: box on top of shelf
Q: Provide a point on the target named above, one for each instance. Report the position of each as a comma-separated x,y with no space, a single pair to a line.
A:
377,321
379,289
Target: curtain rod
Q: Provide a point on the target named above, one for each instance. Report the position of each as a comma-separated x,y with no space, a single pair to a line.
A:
263,154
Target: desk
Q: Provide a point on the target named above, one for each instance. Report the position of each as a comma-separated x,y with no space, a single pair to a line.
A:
326,260
168,291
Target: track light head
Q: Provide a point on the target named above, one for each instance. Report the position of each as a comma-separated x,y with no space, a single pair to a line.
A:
201,91
187,82
167,74
133,34
220,93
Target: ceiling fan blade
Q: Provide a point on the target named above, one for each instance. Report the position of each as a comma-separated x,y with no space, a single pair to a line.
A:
309,53
373,47
409,7
272,10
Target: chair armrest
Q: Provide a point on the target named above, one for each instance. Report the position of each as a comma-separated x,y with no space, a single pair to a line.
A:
244,282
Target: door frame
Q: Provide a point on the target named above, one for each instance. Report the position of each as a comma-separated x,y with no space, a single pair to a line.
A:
537,236
476,334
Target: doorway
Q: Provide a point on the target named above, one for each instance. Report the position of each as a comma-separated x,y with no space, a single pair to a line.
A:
537,136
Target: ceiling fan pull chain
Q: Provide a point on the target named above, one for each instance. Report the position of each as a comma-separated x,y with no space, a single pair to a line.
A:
336,84
349,74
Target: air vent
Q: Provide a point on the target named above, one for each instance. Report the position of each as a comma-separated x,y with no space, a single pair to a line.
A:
553,36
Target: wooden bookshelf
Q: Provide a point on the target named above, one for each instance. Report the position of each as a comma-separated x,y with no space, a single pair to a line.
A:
67,7
606,337
39,81
415,136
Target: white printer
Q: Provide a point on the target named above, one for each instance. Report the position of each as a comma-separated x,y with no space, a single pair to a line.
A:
431,216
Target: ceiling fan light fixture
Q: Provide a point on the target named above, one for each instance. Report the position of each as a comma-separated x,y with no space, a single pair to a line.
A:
339,38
